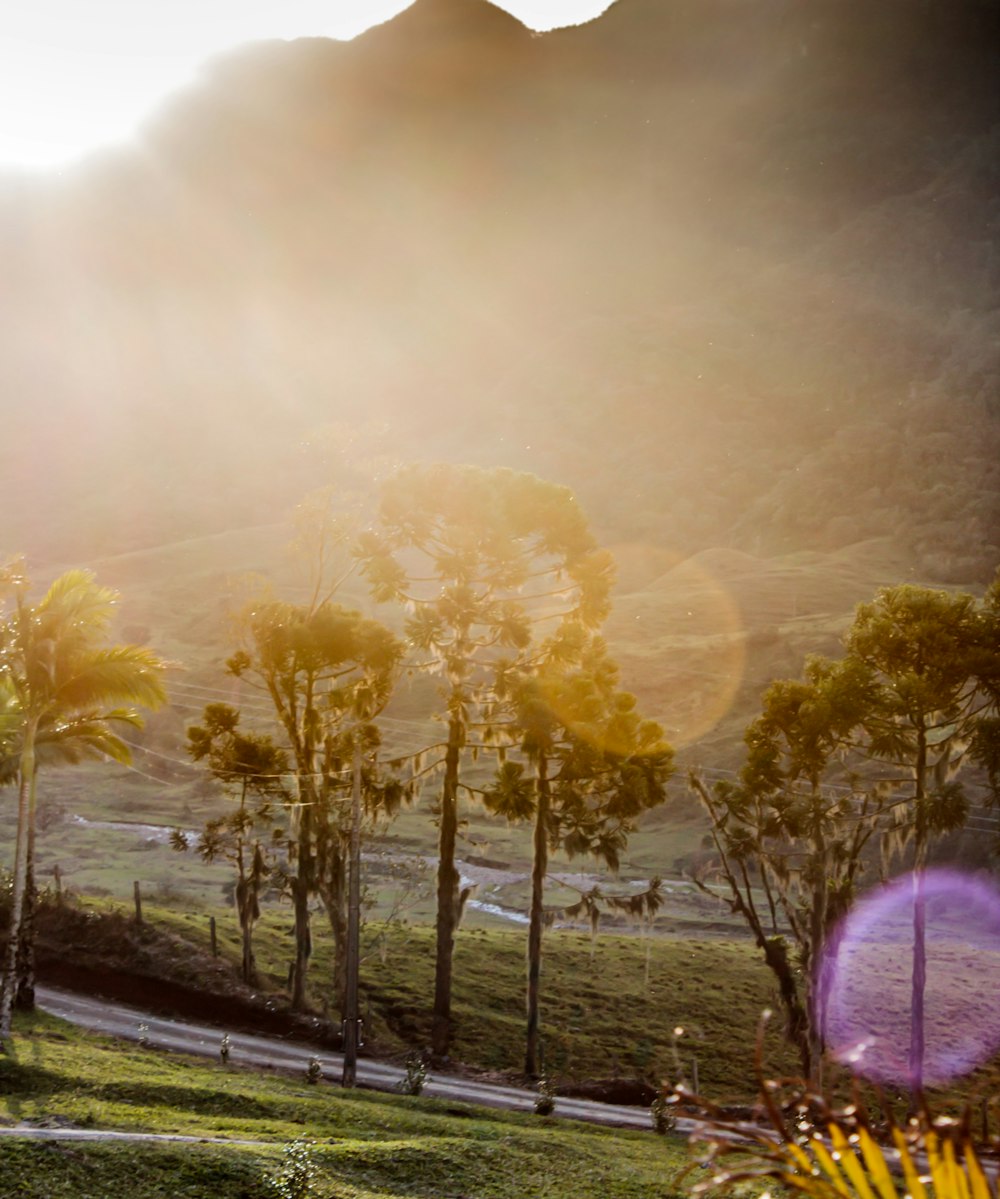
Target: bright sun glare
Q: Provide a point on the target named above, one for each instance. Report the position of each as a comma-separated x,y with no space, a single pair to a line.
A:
75,77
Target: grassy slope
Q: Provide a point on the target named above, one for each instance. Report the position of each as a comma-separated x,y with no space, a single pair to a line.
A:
365,1146
602,1018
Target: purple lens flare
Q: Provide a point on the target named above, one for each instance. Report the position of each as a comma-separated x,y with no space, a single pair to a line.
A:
864,987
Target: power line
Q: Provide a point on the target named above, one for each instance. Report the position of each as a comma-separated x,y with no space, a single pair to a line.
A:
156,754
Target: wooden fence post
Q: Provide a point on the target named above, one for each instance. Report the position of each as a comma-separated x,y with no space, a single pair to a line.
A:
212,936
137,894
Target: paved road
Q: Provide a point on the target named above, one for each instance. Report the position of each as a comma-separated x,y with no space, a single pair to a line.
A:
184,1036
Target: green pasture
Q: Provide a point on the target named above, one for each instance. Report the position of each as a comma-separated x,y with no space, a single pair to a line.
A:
363,1145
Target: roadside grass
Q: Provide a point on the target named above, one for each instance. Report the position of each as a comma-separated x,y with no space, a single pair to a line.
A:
603,1016
364,1145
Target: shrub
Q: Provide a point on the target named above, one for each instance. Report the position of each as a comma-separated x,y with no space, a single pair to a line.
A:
415,1078
297,1174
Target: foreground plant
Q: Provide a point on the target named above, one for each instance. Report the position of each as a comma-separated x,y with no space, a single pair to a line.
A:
662,1113
415,1079
797,1138
296,1176
838,1154
545,1097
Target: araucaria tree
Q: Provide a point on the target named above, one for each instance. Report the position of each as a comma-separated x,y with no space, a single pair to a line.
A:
325,669
252,769
867,747
929,654
789,845
68,689
591,766
985,747
483,559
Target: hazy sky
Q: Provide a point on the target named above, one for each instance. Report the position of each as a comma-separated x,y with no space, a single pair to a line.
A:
78,74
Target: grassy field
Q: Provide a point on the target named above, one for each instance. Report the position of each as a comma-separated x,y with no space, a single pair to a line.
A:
105,827
610,1006
363,1145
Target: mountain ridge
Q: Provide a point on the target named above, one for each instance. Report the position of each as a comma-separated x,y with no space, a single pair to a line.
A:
691,259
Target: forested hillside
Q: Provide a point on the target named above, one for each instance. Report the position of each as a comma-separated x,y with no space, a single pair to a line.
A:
728,269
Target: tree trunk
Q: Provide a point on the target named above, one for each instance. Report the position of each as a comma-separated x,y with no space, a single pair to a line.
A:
539,868
776,957
246,899
817,936
247,908
303,943
301,889
447,894
918,980
350,1006
333,893
249,970
24,991
8,986
917,987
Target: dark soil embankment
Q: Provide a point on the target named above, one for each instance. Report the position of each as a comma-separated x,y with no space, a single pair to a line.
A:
110,955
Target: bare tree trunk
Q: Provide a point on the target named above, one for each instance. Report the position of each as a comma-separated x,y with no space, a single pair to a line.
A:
776,957
24,991
539,868
817,936
248,909
333,892
917,987
301,888
8,986
918,980
349,1008
303,943
246,899
447,894
249,964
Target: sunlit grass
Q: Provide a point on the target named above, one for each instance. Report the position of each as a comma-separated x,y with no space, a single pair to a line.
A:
603,1015
364,1144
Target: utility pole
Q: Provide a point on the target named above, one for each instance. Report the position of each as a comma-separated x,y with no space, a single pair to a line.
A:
351,1020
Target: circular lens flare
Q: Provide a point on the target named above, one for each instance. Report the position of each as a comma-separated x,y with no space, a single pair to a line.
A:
865,988
678,626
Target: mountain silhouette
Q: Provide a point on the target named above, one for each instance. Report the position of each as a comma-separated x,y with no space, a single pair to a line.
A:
729,269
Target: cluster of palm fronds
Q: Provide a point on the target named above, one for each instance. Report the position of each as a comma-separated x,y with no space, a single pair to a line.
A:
797,1139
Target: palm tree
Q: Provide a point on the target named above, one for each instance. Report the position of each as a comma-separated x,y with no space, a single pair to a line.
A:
62,682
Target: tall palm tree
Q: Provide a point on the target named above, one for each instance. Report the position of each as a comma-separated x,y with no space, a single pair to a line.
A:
63,682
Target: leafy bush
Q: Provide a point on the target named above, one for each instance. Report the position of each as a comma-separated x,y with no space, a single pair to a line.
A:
662,1113
545,1097
415,1078
296,1176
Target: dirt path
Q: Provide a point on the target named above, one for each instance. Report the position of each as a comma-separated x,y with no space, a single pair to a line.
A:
37,1133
